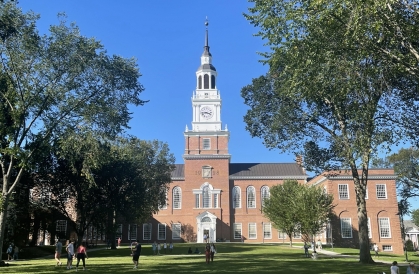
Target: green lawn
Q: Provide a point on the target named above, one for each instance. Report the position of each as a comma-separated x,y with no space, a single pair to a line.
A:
230,258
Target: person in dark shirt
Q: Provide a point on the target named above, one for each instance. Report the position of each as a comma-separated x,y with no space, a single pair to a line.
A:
136,252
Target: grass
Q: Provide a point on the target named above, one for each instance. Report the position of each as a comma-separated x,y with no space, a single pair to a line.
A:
230,258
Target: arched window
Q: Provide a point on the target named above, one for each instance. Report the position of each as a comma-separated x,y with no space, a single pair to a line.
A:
206,197
200,82
251,197
236,197
206,81
206,219
264,194
212,81
177,198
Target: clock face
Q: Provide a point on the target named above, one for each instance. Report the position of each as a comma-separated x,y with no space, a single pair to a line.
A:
207,112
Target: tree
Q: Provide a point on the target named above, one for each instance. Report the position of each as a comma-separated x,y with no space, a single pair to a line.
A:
53,83
341,75
293,207
415,216
315,209
281,208
133,182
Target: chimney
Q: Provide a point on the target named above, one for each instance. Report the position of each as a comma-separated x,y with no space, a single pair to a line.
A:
299,160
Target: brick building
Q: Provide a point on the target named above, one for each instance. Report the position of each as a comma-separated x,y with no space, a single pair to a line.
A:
211,196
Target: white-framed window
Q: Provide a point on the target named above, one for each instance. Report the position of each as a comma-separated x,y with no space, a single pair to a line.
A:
384,225
132,232
343,192
346,227
236,197
161,232
264,194
118,233
197,200
61,227
369,228
297,234
281,234
252,231
177,198
206,143
267,231
387,248
146,231
206,197
251,197
215,200
237,231
176,230
381,191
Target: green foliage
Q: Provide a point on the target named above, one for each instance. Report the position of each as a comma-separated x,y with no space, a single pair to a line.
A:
342,83
409,245
54,84
293,207
415,216
282,207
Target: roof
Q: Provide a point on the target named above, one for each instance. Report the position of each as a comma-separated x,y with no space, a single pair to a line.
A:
255,171
207,66
266,170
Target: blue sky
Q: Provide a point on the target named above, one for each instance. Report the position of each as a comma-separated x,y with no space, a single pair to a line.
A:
167,39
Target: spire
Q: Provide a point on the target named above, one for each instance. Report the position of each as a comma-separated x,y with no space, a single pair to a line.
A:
206,47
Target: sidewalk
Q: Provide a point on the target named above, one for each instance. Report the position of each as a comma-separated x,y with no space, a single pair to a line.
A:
339,255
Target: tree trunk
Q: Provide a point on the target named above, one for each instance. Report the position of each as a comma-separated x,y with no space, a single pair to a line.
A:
3,218
360,188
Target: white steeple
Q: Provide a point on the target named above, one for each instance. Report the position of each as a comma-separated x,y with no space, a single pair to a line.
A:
206,101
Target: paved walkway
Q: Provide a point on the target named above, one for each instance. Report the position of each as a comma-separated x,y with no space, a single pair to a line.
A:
339,255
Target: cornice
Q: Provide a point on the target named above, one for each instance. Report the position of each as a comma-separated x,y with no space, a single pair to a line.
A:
207,133
345,178
267,177
206,156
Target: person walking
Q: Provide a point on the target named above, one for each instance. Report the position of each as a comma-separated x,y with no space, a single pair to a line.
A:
171,247
81,255
9,252
158,248
58,249
154,246
70,254
165,247
119,242
16,253
306,250
411,269
213,251
136,252
394,269
375,247
207,253
319,244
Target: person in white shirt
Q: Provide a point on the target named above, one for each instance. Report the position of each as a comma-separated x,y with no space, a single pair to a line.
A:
213,251
70,254
394,269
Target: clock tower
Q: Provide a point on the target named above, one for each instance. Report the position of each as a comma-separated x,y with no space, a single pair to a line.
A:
206,136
